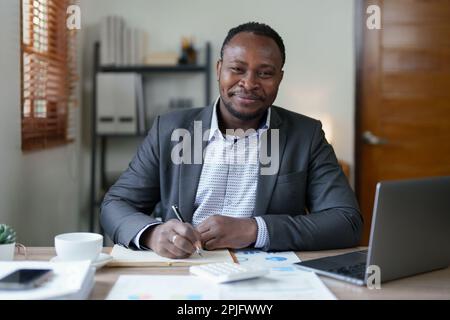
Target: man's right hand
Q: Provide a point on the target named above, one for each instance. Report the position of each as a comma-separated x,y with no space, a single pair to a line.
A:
172,239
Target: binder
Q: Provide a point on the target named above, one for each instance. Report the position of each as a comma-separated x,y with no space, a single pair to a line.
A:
104,42
116,103
140,106
127,46
120,44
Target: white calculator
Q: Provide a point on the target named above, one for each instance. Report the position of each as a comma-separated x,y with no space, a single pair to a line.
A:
227,271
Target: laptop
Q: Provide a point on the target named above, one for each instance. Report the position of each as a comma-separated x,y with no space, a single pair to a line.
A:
410,234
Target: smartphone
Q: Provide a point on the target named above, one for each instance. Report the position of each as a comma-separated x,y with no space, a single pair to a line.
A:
25,279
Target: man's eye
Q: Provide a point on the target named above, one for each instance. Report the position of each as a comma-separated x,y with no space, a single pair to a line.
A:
264,74
236,69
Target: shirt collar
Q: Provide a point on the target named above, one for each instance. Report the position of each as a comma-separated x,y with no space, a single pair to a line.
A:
215,124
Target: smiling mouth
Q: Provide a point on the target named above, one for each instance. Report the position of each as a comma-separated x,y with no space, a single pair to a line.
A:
247,98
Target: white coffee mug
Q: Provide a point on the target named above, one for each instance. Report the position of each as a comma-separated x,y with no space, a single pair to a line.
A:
78,246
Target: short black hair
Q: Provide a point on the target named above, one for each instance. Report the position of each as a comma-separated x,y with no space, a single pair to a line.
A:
257,28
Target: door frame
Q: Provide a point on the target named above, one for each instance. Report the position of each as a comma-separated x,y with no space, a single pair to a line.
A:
359,16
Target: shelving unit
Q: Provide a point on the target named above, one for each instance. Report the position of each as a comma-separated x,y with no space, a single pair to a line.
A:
100,140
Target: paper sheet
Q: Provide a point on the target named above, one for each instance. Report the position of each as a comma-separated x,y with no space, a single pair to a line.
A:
292,284
131,258
285,281
130,287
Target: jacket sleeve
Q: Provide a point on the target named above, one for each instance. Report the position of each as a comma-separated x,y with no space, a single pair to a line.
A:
127,205
333,221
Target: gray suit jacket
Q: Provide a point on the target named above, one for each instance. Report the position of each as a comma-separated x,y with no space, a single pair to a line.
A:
307,205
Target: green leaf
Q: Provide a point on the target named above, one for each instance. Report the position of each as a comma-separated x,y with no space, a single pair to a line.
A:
7,234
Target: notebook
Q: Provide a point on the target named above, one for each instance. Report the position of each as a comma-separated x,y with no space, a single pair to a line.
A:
123,257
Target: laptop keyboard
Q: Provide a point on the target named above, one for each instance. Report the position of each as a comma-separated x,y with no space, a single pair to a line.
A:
354,271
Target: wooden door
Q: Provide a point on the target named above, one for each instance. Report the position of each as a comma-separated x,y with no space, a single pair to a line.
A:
403,96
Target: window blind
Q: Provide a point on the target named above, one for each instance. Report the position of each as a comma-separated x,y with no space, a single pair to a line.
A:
48,74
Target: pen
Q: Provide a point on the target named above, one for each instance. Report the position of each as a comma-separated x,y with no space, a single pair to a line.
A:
180,218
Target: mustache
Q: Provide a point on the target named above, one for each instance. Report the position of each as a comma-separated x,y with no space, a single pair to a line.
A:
245,95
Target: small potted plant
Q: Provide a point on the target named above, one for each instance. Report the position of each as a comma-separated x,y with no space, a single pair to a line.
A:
7,242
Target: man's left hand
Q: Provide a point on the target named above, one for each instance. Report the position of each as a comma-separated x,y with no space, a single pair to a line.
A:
219,232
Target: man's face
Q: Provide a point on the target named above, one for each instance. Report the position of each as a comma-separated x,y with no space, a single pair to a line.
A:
249,75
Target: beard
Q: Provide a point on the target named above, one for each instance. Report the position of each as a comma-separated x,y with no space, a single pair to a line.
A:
239,115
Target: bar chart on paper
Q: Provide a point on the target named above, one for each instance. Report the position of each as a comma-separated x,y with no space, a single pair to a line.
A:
266,259
134,287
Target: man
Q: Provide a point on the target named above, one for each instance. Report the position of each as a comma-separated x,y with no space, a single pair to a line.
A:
306,203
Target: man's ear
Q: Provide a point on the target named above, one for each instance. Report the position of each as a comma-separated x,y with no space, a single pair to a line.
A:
218,68
281,75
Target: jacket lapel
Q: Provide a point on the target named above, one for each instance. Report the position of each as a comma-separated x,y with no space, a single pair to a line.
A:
189,174
266,183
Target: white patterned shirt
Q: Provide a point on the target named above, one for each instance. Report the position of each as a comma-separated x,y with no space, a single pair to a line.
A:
229,178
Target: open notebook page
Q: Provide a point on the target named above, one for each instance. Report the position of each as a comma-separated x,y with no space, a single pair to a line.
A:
123,257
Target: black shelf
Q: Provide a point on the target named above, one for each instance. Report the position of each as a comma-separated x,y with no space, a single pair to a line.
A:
155,69
101,139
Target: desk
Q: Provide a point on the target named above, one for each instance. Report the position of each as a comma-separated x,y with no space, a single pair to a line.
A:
431,285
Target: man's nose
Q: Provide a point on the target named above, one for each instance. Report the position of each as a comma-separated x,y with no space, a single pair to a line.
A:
249,81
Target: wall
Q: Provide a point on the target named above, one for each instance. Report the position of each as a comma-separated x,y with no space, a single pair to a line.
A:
38,190
318,35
